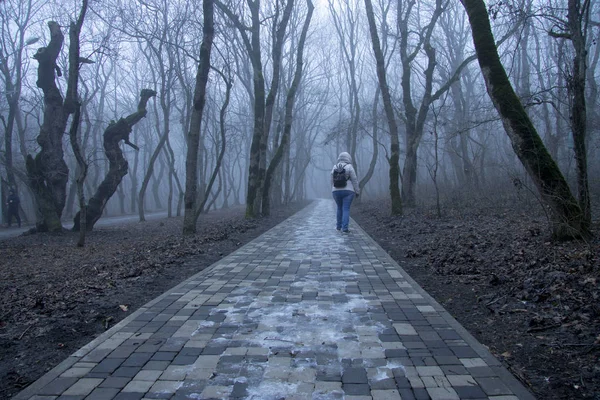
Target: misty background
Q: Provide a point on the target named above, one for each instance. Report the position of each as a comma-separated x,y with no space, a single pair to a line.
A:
453,146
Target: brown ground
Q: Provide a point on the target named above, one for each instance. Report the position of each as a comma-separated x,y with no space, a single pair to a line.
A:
533,302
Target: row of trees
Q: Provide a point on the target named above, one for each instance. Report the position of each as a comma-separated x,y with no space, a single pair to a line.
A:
254,99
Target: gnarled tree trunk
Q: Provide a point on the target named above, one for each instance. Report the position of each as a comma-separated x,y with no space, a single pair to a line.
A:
118,166
48,173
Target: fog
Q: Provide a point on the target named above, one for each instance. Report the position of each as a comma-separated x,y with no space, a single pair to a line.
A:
452,141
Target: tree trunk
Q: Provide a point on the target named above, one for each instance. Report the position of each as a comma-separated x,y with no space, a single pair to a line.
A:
193,140
173,177
347,27
118,166
415,117
279,32
375,142
134,182
575,16
289,107
81,172
253,47
394,157
48,173
222,147
8,133
72,96
13,49
263,104
157,181
149,173
567,219
121,197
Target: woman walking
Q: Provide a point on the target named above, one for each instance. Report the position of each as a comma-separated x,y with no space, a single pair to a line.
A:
344,183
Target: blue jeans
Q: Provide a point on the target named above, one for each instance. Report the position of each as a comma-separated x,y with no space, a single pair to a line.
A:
343,199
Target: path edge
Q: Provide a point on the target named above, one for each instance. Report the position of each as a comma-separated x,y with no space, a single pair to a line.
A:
516,386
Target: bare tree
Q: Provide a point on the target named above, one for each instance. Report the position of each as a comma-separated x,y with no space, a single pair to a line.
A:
118,166
567,218
191,161
74,61
346,23
394,157
48,173
576,29
289,107
263,103
15,18
221,144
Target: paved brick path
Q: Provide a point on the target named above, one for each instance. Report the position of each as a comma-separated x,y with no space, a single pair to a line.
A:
302,312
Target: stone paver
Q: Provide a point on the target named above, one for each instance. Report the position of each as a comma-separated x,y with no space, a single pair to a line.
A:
302,312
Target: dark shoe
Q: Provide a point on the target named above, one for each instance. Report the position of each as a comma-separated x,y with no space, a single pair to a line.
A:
346,231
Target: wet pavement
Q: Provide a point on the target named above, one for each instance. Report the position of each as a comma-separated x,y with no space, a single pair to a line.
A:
302,312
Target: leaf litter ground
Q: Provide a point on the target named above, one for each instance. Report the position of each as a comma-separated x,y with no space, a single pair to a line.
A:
533,302
55,297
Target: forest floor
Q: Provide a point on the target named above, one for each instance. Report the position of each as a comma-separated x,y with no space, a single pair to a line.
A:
533,302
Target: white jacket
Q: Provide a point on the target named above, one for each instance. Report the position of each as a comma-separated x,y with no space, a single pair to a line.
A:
352,183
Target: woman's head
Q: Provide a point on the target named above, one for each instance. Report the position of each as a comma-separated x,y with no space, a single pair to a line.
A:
345,158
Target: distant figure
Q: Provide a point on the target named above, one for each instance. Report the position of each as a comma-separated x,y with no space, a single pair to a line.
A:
12,201
344,187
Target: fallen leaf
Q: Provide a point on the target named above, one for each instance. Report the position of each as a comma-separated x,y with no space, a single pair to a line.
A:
124,307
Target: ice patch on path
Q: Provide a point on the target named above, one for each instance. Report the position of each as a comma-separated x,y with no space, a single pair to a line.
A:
275,390
387,371
296,324
327,325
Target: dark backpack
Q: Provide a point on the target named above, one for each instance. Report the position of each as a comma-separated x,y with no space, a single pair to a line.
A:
339,176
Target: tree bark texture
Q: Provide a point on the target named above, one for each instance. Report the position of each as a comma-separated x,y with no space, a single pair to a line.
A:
48,173
394,157
72,102
193,140
578,13
81,173
566,217
117,164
